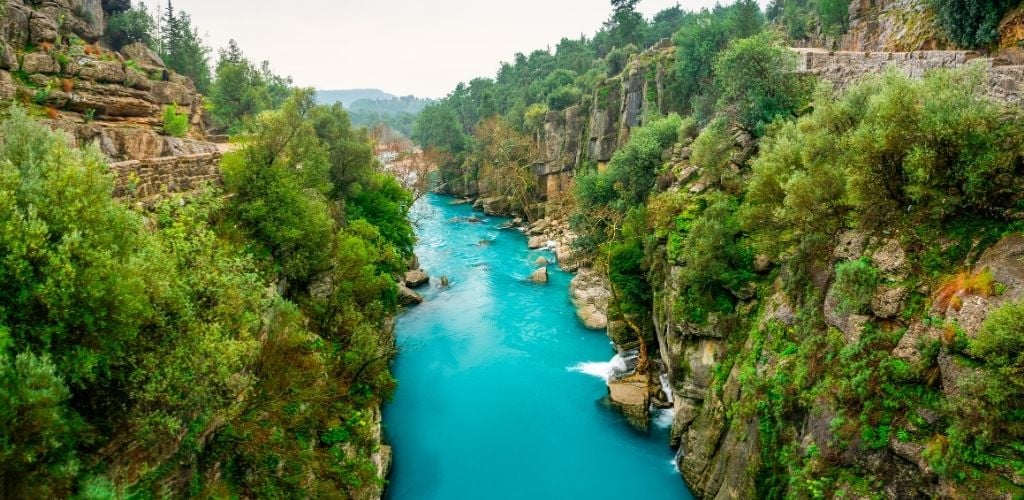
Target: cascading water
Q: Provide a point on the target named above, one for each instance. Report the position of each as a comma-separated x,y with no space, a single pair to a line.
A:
485,405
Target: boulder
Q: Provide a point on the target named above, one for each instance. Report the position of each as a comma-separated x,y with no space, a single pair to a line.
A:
541,262
7,88
589,293
171,93
851,245
143,55
39,62
497,205
41,28
566,259
416,278
909,348
102,71
407,297
540,276
174,146
8,60
891,261
632,396
134,143
111,100
537,242
888,301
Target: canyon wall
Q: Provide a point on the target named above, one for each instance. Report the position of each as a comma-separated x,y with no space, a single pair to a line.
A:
53,62
719,443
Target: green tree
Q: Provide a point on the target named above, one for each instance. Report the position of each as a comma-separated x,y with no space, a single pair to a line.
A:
972,24
182,48
757,81
243,90
131,26
438,127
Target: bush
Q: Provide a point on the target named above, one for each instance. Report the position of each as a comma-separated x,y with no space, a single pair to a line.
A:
564,97
1000,342
712,151
175,123
972,24
856,282
758,83
131,26
888,147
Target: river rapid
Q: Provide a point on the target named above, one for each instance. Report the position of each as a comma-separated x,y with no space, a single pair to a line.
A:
500,388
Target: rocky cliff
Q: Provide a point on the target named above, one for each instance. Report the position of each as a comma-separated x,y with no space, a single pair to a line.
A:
53,60
712,368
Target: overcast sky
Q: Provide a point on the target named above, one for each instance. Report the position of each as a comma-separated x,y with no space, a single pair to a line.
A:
403,47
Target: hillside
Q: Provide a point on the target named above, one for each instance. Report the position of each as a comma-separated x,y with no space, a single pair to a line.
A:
349,96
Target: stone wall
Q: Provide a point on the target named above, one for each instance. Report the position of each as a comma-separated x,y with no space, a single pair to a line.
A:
845,68
149,181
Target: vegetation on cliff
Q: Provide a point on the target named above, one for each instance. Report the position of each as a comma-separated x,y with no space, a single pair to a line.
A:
828,250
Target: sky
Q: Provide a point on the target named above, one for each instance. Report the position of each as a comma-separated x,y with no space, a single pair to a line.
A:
404,47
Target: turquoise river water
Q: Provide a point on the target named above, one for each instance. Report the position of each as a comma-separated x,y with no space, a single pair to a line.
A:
500,386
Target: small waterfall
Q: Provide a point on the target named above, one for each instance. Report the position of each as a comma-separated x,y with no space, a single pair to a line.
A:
606,370
666,387
663,418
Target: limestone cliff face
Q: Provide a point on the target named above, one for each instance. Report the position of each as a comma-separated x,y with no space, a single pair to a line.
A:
591,132
909,25
52,60
892,26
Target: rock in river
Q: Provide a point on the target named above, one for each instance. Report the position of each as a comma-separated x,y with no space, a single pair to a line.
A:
407,297
416,278
540,276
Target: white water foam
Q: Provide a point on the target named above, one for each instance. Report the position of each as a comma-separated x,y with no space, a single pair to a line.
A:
663,418
601,369
666,387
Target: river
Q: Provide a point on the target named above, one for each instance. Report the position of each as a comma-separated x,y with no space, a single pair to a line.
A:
499,390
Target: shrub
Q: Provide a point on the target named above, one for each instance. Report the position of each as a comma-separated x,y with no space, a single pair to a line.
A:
972,24
758,83
950,293
131,26
564,97
713,149
175,123
855,286
534,117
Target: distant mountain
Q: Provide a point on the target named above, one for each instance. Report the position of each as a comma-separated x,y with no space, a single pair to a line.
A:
349,96
408,104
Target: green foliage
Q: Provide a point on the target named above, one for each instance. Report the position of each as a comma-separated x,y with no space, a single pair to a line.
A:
175,123
889,146
534,117
855,285
716,263
757,82
972,24
243,90
699,41
134,25
803,19
182,49
384,204
170,313
37,447
438,127
713,150
563,97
